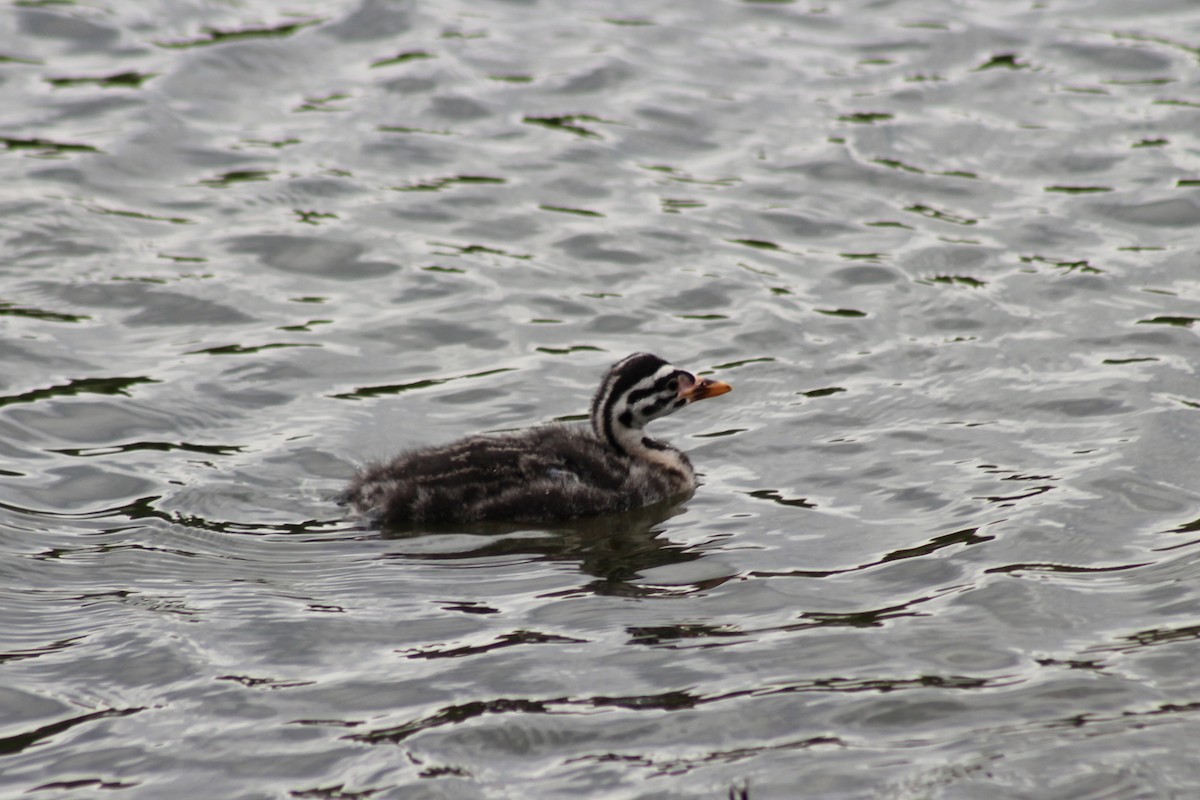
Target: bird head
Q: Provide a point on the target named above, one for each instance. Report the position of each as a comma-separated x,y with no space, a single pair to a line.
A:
643,387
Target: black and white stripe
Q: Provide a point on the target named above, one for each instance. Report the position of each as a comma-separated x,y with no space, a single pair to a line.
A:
637,389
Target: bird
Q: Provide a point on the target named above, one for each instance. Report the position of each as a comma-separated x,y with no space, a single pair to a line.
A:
549,473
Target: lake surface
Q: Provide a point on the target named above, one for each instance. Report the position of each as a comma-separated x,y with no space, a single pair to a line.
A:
948,539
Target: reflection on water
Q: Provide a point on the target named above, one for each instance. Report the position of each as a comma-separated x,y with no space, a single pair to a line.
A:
615,550
944,544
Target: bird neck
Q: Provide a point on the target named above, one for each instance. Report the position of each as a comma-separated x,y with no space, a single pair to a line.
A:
614,430
662,455
614,425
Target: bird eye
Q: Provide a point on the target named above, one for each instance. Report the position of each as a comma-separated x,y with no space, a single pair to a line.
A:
673,384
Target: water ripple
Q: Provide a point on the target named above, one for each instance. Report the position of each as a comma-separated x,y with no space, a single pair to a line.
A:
944,542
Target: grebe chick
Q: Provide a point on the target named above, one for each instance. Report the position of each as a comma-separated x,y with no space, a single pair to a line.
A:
551,472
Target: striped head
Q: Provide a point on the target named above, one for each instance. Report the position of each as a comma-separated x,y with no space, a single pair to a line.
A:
640,388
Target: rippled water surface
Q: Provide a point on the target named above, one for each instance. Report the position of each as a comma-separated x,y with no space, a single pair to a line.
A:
946,251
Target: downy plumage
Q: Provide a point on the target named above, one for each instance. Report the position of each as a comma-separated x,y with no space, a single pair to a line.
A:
551,472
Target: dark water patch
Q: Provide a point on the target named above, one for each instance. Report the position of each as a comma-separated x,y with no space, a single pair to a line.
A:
1003,61
471,607
672,633
776,497
1069,266
504,640
477,249
237,176
1005,500
213,36
109,386
83,783
305,327
720,434
1078,189
454,715
164,447
324,103
886,685
676,205
275,144
569,123
941,215
1180,322
134,510
17,743
823,392
410,130
956,280
867,117
122,80
46,147
682,636
405,57
966,537
238,349
1188,527
376,391
12,310
1065,569
579,212
758,244
741,362
113,212
511,78
46,649
1178,103
147,508
895,164
457,180
178,259
252,682
1153,637
563,351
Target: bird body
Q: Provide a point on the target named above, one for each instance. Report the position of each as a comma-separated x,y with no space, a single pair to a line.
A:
551,472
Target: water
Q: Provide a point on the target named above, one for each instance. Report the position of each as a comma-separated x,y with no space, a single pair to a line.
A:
945,251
